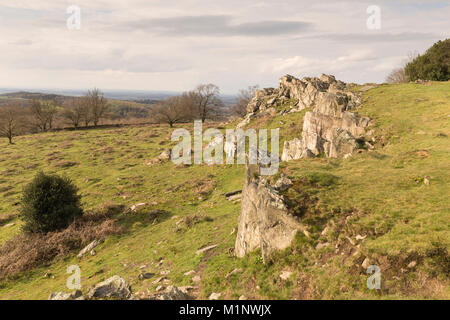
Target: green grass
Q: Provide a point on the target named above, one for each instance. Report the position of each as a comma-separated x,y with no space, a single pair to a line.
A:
377,194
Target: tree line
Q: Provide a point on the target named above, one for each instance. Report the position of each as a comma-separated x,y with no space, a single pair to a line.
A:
40,115
202,103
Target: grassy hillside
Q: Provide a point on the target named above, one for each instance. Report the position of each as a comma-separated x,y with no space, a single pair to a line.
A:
374,205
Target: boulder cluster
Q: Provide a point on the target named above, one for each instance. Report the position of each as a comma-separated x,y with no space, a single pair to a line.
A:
331,128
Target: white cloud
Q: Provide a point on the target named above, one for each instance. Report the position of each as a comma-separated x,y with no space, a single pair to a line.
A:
256,44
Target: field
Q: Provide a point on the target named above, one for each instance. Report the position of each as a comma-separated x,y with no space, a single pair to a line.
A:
390,205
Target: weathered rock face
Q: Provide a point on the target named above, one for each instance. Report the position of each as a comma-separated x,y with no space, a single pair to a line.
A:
264,222
331,128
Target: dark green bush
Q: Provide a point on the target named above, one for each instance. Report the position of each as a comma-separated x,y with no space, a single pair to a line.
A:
49,203
433,65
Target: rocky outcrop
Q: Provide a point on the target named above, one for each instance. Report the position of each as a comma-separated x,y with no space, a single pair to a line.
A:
265,222
331,128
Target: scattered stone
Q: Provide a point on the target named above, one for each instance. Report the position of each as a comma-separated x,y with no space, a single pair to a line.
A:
359,237
325,231
172,293
189,273
215,296
89,248
9,225
158,280
426,180
366,263
137,206
412,264
203,250
114,287
243,297
285,275
66,296
93,252
146,275
235,271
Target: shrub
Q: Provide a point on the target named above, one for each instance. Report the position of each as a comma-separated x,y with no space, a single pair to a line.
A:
49,203
433,65
30,250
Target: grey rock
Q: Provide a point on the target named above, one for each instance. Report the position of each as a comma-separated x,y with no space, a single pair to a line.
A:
65,296
264,222
89,248
114,287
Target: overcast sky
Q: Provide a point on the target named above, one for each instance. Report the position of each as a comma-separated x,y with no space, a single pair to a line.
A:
176,44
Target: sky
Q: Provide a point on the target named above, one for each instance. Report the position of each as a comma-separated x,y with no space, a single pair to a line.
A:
174,45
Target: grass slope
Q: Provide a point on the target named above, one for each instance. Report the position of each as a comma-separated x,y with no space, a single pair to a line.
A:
379,195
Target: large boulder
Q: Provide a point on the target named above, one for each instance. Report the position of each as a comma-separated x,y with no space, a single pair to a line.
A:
114,287
264,222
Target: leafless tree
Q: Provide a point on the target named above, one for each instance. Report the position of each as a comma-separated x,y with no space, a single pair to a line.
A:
74,111
245,95
172,110
43,113
207,100
9,122
398,75
97,104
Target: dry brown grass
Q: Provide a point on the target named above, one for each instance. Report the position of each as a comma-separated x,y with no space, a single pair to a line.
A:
27,251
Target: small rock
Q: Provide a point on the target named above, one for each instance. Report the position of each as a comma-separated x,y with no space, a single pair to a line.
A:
426,181
172,293
366,263
65,296
215,296
189,273
203,250
137,206
286,275
325,231
359,237
89,248
9,225
146,275
243,297
235,271
158,280
114,287
93,253
412,264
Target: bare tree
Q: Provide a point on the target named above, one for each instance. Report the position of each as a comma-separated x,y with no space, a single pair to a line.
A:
43,114
397,76
245,96
8,122
173,110
207,100
98,105
74,111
